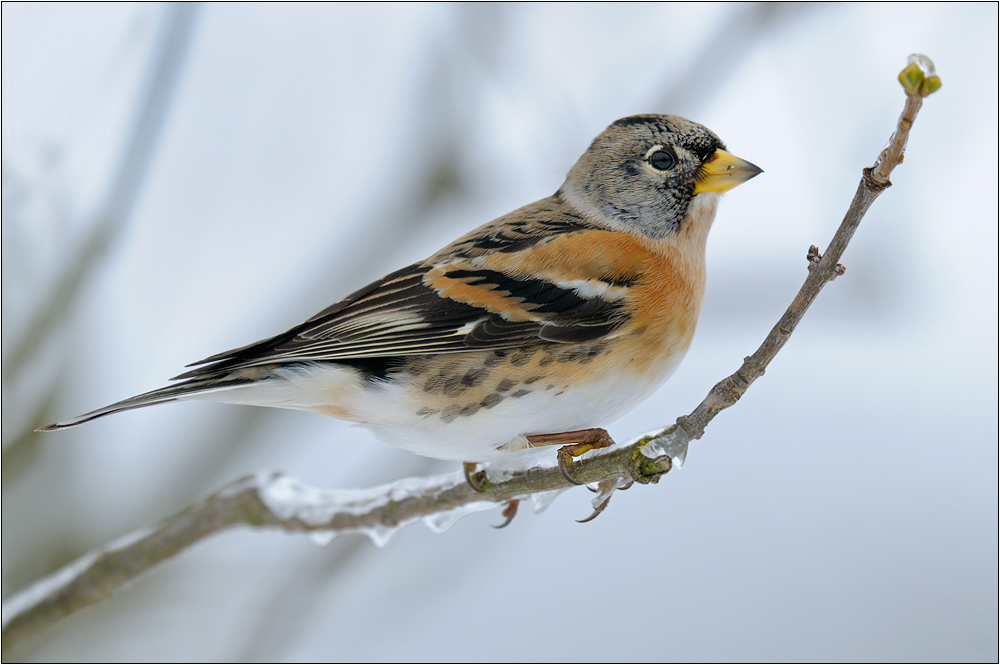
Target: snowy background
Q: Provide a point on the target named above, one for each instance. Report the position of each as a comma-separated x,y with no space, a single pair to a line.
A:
182,180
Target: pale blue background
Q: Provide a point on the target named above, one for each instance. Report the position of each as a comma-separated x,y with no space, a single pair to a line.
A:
846,509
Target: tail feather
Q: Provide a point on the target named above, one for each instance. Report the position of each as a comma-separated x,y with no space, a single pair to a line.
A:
162,395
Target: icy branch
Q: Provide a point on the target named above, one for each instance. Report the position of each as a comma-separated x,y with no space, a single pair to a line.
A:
272,499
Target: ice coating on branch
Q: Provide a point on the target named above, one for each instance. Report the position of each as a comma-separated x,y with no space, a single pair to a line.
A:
50,585
380,533
919,78
605,489
498,472
46,587
322,538
441,522
289,498
672,441
542,500
926,64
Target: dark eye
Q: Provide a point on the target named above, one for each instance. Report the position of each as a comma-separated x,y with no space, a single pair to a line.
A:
661,160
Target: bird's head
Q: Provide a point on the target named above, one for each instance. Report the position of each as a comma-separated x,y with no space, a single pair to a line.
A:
644,172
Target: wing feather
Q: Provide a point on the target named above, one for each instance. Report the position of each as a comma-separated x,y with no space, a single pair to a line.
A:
447,304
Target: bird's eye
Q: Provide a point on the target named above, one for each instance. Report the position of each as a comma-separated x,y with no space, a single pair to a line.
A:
661,160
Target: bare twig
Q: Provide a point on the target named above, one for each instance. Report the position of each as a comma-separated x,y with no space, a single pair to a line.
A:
918,80
272,499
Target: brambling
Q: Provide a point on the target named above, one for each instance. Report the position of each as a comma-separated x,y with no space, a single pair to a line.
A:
536,328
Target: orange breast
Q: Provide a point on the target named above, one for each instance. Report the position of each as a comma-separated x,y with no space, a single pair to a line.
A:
666,307
665,283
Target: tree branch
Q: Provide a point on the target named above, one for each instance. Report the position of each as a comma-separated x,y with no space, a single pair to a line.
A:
272,499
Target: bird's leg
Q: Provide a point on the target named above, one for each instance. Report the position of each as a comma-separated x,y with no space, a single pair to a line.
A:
476,479
579,442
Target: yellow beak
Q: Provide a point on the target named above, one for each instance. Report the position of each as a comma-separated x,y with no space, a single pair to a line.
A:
723,172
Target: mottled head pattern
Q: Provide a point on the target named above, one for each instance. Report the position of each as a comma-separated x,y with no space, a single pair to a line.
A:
625,181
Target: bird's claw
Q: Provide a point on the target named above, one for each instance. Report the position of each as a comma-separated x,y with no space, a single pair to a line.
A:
605,489
509,513
563,459
476,479
597,511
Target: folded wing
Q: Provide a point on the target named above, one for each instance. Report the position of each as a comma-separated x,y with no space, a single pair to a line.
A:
448,304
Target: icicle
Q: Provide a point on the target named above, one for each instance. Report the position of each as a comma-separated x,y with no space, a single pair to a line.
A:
542,500
672,441
605,489
441,522
322,538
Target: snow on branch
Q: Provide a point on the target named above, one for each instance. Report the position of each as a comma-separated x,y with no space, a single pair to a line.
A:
273,499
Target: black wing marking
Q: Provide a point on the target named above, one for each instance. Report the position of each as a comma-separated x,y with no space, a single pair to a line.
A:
405,314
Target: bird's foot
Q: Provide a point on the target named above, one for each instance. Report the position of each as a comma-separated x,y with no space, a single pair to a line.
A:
604,490
597,510
509,512
476,479
580,442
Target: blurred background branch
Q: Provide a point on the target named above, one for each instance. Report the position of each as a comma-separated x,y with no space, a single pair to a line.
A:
108,224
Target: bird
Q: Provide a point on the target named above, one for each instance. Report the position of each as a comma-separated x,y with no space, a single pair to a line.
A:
537,328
